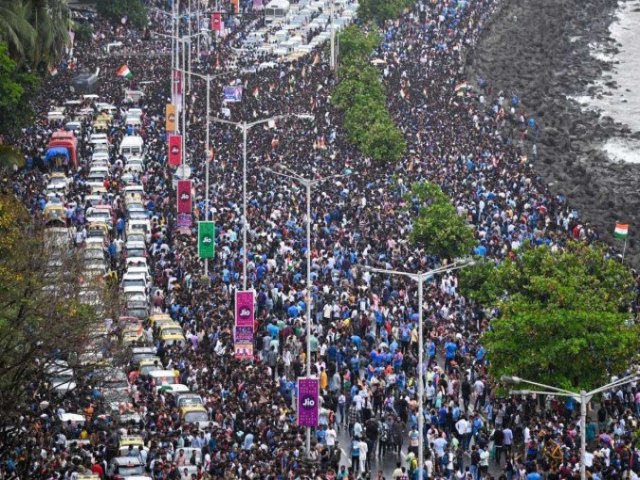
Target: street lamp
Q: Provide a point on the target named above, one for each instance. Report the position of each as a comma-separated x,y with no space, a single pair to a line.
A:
309,184
245,127
583,397
420,278
208,79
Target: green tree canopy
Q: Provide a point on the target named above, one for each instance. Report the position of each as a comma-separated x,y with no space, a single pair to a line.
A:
437,227
16,89
362,97
42,317
356,45
382,10
116,10
36,31
564,316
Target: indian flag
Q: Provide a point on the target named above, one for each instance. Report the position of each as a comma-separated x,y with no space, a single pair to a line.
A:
124,71
256,93
461,86
621,231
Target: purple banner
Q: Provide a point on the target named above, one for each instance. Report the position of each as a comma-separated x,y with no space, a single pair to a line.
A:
184,220
308,403
244,309
233,93
243,343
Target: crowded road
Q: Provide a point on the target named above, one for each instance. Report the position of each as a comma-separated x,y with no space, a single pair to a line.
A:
171,399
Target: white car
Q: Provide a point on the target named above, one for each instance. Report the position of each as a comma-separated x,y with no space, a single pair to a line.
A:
99,139
135,164
135,280
60,377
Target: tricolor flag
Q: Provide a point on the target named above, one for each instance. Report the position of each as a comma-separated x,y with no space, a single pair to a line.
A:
124,71
256,93
621,231
53,70
461,86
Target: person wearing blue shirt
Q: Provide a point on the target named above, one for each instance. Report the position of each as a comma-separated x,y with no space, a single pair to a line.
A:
431,349
273,329
293,311
450,350
480,354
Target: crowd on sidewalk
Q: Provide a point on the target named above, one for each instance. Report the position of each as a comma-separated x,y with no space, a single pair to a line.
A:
474,143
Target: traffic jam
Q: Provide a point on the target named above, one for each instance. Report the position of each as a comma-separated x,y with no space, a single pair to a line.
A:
116,233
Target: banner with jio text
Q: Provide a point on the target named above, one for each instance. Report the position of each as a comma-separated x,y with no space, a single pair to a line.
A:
206,239
244,308
308,401
175,150
184,196
216,21
170,116
243,343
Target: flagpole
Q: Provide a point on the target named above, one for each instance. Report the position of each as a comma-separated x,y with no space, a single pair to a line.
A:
624,248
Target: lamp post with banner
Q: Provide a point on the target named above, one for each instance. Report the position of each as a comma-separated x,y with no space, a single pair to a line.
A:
309,184
245,127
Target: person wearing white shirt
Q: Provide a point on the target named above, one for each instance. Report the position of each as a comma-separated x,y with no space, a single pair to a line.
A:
364,450
331,437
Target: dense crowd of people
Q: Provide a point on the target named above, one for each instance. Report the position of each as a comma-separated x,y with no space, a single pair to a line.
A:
475,144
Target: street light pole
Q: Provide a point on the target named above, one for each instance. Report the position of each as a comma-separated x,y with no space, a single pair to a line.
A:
332,60
245,127
206,167
420,278
184,105
208,79
583,397
309,184
245,220
189,35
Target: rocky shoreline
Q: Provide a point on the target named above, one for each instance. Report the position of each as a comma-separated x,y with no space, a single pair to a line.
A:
540,50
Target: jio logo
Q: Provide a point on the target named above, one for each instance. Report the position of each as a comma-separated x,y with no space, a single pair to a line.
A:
245,312
308,402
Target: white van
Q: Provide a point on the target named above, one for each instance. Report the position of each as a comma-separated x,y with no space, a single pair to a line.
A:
132,146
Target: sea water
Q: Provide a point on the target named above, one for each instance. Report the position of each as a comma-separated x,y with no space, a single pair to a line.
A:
622,103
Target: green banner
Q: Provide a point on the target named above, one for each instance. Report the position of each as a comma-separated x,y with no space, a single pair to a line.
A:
206,239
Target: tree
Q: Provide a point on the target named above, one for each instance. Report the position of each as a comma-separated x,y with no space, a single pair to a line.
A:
437,226
358,81
52,21
42,317
563,318
356,45
115,10
15,28
16,90
36,31
382,10
383,141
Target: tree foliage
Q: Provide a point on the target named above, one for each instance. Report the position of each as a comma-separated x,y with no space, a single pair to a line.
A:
36,31
362,97
382,10
563,316
42,318
16,89
437,227
115,10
